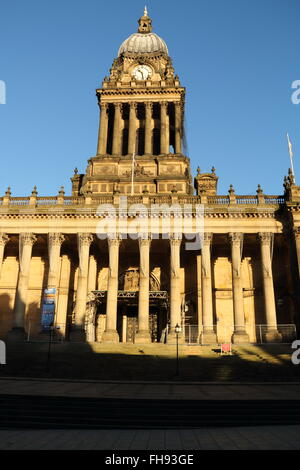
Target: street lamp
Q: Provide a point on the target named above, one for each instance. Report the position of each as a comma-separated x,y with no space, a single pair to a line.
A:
177,331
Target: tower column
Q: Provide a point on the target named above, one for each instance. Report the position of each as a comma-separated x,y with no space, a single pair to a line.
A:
110,334
55,241
132,129
3,240
239,335
208,335
148,128
84,241
103,129
178,127
175,300
272,334
117,129
26,242
143,334
164,128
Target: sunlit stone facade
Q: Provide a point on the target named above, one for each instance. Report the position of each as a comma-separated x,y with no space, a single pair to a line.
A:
119,251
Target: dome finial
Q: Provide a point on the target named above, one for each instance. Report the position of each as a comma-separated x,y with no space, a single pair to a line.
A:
145,23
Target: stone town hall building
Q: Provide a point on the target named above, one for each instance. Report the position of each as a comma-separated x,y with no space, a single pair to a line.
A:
111,287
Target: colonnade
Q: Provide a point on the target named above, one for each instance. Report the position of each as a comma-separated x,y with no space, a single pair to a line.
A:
87,281
149,126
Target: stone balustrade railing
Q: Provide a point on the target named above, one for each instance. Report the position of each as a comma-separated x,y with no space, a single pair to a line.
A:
217,200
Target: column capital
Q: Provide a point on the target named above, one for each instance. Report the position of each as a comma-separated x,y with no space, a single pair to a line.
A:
206,238
164,104
235,238
114,239
148,105
296,231
118,106
175,238
28,239
85,239
55,239
104,106
265,238
144,239
4,238
133,105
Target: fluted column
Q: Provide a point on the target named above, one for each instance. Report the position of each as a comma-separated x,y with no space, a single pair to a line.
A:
110,334
239,335
164,128
143,334
132,129
84,241
272,334
3,240
55,241
208,335
103,129
26,242
175,297
117,129
148,128
178,127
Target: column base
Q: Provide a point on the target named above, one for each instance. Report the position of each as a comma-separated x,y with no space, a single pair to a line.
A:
110,336
272,336
172,338
208,337
142,337
77,335
16,334
240,337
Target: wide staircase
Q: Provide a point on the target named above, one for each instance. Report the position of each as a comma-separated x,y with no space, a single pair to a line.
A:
40,412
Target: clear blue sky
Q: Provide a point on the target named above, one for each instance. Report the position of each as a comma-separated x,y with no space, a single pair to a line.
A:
237,58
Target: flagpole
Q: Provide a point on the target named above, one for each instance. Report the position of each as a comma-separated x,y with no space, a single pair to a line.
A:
291,154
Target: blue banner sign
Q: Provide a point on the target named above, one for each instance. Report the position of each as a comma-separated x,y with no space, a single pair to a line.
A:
48,308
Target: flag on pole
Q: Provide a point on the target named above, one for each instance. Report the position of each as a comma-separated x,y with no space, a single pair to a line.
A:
291,153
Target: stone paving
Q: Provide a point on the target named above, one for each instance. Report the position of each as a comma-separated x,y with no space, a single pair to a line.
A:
238,438
151,390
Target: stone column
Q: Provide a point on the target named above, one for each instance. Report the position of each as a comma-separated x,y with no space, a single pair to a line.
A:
208,335
92,279
143,334
26,242
63,294
239,335
148,128
110,334
117,130
164,128
297,239
84,241
3,240
175,297
272,334
55,241
199,295
178,127
103,129
132,129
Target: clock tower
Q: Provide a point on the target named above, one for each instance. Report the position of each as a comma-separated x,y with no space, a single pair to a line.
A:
141,123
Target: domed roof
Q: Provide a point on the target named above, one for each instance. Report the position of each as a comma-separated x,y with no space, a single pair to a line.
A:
144,41
143,44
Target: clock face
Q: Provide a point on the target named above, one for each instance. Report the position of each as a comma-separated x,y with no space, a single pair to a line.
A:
142,72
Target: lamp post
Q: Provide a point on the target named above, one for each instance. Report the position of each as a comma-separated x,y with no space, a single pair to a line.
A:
177,331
